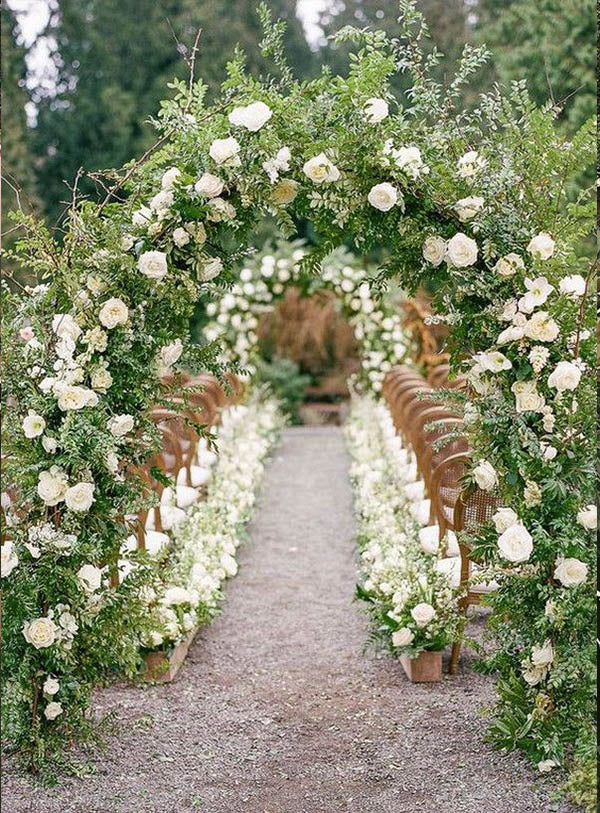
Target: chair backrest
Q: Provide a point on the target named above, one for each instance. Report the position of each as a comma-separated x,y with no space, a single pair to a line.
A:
421,437
445,486
439,375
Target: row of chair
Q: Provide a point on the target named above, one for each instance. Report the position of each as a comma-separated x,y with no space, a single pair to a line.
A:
435,434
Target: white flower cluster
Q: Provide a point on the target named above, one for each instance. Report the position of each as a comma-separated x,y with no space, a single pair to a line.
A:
205,543
411,595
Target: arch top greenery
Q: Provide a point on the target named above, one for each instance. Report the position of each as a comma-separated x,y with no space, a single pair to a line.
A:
478,206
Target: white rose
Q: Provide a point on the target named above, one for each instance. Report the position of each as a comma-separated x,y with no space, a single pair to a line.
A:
209,186
114,312
171,353
409,159
541,246
320,169
485,475
72,397
284,192
52,485
52,710
80,497
40,633
467,208
573,285
509,265
220,209
504,518
211,269
434,249
252,117
383,196
89,578
527,398
538,291
516,543
120,425
101,379
376,110
550,452
153,264
423,613
112,462
403,637
546,765
169,178
470,164
33,425
461,250
493,361
542,655
513,333
225,151
570,572
142,217
51,686
8,559
565,376
64,326
541,327
588,517
180,237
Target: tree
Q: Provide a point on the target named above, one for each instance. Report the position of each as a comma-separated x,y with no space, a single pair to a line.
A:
114,61
552,43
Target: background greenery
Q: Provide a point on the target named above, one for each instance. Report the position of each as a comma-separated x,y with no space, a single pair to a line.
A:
113,60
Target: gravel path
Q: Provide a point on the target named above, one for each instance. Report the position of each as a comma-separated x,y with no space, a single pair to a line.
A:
278,709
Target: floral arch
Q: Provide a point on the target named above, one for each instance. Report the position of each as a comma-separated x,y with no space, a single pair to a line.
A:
475,205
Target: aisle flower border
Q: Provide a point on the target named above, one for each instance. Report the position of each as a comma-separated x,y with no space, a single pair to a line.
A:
473,191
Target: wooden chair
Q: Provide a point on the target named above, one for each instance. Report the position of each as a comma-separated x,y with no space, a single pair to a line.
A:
474,508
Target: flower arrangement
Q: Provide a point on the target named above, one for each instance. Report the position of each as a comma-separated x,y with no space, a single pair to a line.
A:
410,598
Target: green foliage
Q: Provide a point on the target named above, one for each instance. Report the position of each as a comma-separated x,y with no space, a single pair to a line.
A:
287,383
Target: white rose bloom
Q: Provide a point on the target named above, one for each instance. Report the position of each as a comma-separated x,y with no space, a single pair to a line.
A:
220,209
112,462
161,203
410,160
8,559
225,151
423,614
52,485
153,264
169,178
550,452
281,163
513,333
73,397
33,425
468,208
493,361
383,196
509,265
565,376
588,517
570,572
180,237
485,475
52,710
541,327
252,117
403,637
114,312
320,169
80,497
376,110
284,192
64,326
101,379
538,291
504,518
142,217
541,246
40,633
573,285
546,765
171,353
542,655
516,543
209,186
434,249
470,164
211,269
527,398
120,425
89,578
461,250
51,686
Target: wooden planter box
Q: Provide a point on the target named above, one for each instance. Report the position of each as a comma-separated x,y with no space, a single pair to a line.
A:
425,668
161,667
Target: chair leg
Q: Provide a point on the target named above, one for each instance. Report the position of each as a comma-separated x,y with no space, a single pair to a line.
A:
455,656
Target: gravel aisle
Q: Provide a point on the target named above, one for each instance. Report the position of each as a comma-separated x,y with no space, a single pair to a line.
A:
278,709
